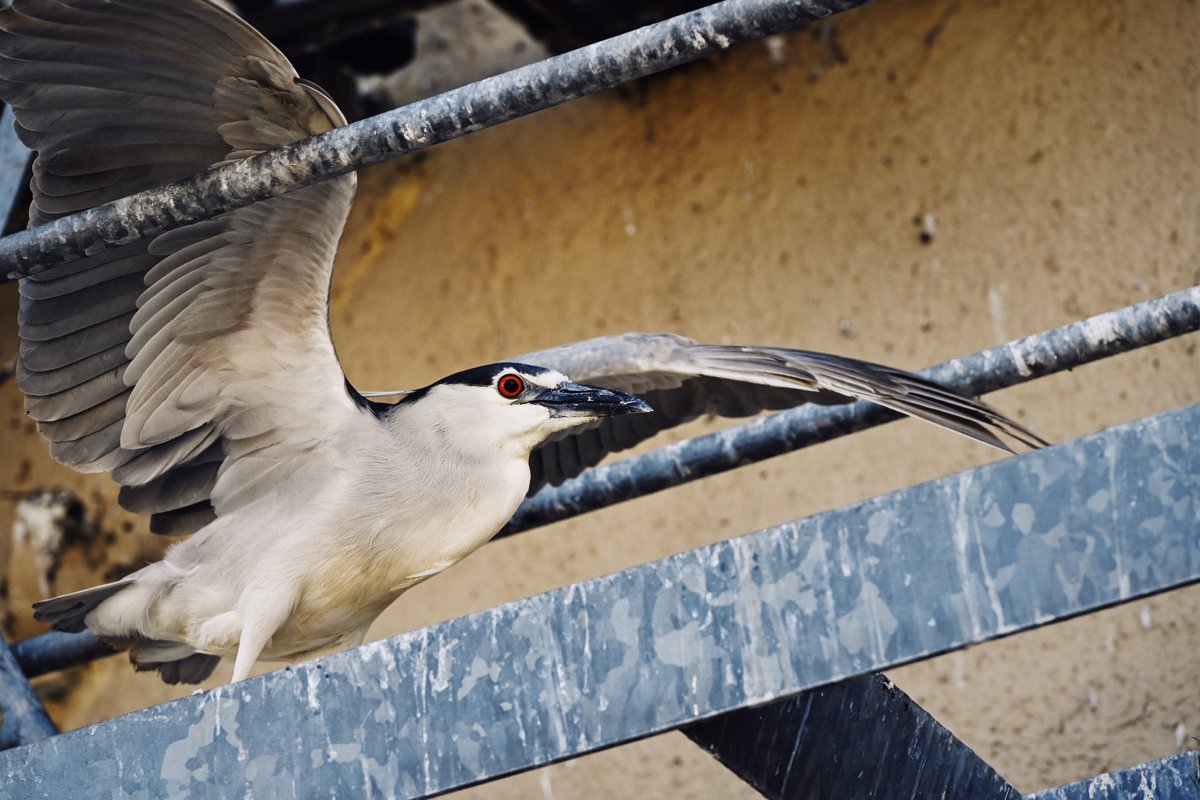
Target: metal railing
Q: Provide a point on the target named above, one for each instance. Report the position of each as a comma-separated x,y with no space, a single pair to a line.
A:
694,641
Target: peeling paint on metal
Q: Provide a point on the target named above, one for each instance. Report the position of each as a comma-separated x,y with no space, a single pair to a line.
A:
1174,778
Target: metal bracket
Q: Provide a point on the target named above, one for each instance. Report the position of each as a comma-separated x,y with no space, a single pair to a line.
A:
858,738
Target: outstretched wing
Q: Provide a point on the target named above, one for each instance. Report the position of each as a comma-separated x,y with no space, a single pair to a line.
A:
197,366
683,380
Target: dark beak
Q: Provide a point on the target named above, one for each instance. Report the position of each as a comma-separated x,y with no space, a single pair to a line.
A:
576,400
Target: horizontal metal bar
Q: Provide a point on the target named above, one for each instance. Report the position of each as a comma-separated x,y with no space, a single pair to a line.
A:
53,651
1009,364
404,130
1174,778
22,717
1005,547
859,738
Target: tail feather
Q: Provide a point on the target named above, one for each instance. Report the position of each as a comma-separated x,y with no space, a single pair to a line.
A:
176,662
68,611
190,669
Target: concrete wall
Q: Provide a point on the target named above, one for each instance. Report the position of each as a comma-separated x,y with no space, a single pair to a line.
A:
776,195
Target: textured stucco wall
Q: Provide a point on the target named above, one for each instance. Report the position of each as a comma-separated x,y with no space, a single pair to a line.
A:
776,195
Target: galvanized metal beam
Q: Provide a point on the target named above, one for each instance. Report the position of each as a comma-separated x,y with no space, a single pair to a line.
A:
740,623
1174,778
404,130
22,717
859,738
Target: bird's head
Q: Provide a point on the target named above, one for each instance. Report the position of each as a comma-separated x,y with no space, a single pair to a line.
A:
511,407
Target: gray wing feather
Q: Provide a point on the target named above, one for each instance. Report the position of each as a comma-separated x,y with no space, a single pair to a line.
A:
62,380
683,380
90,447
58,353
58,315
182,521
177,489
87,395
84,274
151,360
97,417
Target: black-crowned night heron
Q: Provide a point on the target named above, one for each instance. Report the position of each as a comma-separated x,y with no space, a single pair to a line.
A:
197,367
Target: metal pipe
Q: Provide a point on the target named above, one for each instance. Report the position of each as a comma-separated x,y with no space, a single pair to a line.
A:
22,718
50,652
427,122
1006,365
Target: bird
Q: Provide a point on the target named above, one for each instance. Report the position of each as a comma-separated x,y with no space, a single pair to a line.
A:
197,367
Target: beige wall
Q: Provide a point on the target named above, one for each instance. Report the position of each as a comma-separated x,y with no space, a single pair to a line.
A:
769,196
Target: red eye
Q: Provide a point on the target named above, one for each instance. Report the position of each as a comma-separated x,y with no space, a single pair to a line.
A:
510,386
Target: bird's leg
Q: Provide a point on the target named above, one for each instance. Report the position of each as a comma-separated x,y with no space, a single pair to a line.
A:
263,612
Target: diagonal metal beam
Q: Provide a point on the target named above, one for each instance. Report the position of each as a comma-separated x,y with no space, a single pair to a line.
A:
992,551
859,738
1174,778
502,98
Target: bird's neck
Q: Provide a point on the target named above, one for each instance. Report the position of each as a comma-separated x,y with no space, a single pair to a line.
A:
452,475
458,436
